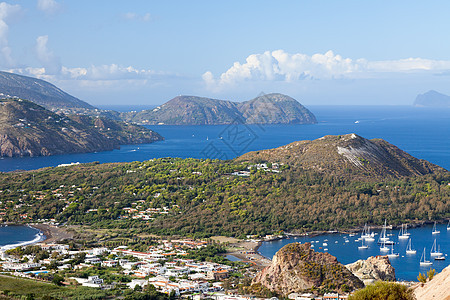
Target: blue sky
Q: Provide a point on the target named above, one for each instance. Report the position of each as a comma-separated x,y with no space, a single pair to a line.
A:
147,52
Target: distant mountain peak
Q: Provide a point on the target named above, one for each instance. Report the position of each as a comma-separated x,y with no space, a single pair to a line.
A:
432,98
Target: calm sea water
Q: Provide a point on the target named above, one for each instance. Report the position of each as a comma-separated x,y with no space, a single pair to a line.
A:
422,132
14,236
406,266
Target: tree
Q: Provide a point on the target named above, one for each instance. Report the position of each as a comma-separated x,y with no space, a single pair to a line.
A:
383,291
57,279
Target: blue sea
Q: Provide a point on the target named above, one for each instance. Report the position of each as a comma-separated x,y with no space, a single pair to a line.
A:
422,132
13,236
406,266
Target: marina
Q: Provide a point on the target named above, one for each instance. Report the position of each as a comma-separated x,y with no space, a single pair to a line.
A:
402,253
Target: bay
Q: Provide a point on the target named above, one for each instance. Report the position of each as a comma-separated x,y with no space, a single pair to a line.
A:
406,266
12,236
422,132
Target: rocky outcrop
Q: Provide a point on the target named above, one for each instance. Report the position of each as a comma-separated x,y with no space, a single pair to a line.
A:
436,288
373,269
296,268
193,110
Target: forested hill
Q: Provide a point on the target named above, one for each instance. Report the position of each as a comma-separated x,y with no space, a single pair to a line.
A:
210,197
28,129
346,155
193,110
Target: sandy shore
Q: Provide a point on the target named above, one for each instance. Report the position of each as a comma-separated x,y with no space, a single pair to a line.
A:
52,233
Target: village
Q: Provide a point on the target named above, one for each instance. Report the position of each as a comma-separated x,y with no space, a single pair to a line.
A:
165,266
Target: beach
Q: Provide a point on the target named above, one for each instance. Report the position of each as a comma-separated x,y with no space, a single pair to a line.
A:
52,233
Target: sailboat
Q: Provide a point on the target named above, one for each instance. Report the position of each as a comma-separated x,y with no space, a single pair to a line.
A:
409,249
392,254
383,239
435,251
448,225
403,234
383,247
369,237
435,231
423,261
362,245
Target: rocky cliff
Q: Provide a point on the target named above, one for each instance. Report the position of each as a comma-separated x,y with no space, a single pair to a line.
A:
193,110
296,268
373,269
27,129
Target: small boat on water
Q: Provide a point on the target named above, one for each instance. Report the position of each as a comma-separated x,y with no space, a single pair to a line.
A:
442,257
362,245
448,225
392,254
383,236
409,249
423,261
435,249
435,231
404,234
383,247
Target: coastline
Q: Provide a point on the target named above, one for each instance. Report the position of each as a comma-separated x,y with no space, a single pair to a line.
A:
46,234
38,237
52,233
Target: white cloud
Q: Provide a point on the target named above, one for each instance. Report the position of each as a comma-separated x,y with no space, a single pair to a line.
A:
48,6
46,57
7,11
95,74
282,66
130,16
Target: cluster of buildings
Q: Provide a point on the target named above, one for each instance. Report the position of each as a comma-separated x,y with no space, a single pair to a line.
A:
163,265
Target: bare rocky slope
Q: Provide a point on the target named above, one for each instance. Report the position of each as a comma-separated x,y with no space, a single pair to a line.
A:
373,269
193,110
347,154
28,129
437,288
296,268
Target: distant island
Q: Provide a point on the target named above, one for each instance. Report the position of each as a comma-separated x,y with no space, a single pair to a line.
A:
193,110
432,99
28,129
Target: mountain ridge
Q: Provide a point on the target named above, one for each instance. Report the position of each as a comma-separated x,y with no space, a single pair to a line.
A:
40,92
193,110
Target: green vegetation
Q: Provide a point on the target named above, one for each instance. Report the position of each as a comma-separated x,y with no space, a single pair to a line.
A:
17,287
383,291
201,198
424,277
